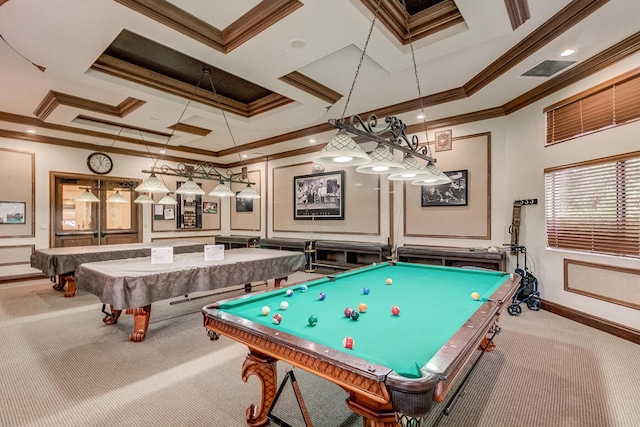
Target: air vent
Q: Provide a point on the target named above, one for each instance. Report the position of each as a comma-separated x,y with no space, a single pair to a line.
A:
547,68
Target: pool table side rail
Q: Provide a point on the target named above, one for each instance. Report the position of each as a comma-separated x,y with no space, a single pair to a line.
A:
350,372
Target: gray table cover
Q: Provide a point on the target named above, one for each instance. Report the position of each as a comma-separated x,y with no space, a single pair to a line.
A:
55,261
136,282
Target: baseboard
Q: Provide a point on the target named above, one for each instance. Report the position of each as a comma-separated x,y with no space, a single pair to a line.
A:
20,277
604,325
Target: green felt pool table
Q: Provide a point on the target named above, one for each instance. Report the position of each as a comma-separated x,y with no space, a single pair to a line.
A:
399,364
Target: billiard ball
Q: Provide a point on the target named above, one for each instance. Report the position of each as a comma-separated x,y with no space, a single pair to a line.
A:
365,291
303,288
321,296
348,342
347,312
395,310
388,281
277,318
313,320
289,293
265,310
362,307
354,314
284,305
475,296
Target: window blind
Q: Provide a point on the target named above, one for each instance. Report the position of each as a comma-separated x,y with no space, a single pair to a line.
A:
613,105
595,207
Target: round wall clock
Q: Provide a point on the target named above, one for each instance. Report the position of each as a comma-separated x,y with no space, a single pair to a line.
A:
99,163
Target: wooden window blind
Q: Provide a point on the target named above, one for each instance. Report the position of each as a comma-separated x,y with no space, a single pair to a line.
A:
612,104
595,207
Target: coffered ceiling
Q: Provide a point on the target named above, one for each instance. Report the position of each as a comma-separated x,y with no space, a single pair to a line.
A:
140,76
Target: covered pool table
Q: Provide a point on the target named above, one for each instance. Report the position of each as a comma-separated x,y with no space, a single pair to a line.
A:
398,364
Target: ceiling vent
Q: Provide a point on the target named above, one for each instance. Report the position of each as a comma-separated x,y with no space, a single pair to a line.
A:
547,68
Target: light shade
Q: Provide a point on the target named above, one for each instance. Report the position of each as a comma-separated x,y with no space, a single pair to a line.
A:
248,193
117,198
342,150
382,161
190,187
144,199
152,185
87,196
167,200
436,177
221,190
412,170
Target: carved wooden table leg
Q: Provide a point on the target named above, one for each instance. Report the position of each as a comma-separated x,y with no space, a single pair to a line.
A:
71,287
264,367
140,322
62,280
113,319
280,280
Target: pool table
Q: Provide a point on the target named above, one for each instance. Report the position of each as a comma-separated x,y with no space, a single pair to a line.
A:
398,364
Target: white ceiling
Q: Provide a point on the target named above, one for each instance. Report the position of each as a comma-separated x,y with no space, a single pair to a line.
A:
67,36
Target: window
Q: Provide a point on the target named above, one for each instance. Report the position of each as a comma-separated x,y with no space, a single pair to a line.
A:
611,104
595,206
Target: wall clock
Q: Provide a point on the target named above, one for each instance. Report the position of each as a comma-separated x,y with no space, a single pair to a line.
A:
99,163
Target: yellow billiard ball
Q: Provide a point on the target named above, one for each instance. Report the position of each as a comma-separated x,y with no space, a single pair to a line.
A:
389,281
475,296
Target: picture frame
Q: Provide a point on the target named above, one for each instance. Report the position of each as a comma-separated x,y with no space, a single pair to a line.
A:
243,205
444,140
454,194
209,207
12,212
319,196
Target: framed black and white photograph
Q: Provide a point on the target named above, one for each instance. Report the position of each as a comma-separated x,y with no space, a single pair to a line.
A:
319,196
12,212
243,205
454,194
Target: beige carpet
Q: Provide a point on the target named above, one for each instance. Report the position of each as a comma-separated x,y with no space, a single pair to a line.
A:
60,366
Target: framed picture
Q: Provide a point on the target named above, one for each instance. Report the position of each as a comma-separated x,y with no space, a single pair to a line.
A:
319,195
210,207
443,140
12,212
243,205
454,194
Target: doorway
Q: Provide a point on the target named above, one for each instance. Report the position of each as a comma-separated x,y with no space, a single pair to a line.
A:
77,223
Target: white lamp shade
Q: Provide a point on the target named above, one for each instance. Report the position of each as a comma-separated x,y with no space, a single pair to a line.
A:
342,150
167,200
152,185
382,162
221,190
117,198
87,196
436,177
248,193
412,170
190,187
144,199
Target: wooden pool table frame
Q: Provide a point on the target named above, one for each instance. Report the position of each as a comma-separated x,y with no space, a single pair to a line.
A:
382,397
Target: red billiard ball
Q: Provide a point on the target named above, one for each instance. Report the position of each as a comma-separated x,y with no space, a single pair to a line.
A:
347,312
348,342
277,318
395,310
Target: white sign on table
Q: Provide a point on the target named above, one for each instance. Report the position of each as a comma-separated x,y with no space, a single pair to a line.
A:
213,252
162,255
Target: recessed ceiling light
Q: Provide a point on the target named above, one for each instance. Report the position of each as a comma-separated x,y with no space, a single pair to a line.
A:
244,156
568,52
297,44
31,130
420,116
163,151
312,141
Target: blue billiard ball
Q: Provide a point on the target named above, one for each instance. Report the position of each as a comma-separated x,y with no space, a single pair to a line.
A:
289,293
365,291
303,288
321,296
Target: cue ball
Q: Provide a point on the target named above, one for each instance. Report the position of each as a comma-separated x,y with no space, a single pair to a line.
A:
389,281
362,307
354,314
321,296
395,310
277,318
365,291
265,310
313,320
303,288
475,296
347,312
348,342
289,293
284,305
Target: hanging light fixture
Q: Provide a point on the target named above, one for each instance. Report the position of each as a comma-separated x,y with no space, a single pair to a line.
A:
167,200
248,193
190,187
117,198
221,190
152,185
435,177
144,199
391,135
87,196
